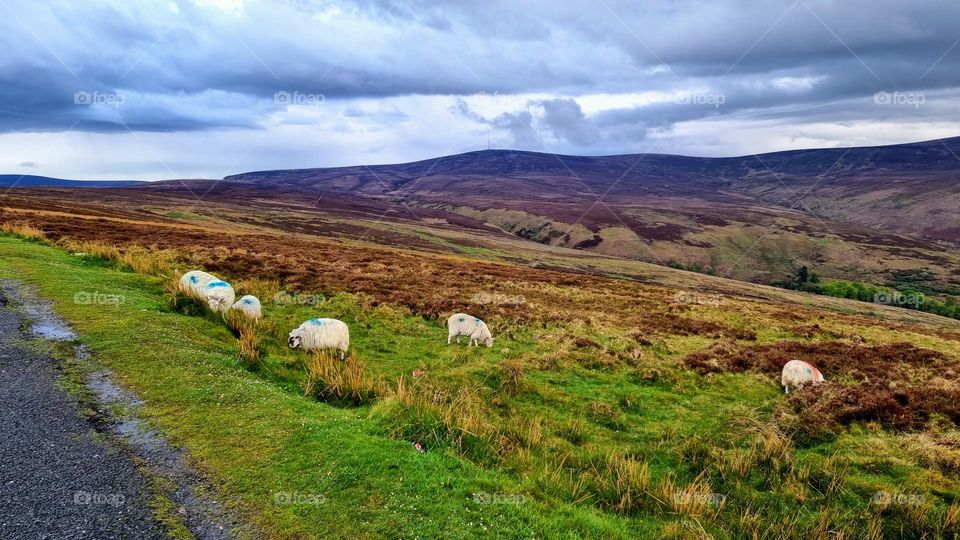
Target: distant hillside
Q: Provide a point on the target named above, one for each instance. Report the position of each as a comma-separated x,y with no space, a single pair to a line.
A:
29,180
884,214
908,188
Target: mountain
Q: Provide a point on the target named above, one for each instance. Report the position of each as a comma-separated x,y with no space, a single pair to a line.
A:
884,214
29,180
910,188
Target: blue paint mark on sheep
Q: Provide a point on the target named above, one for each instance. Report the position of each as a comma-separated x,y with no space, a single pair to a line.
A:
318,322
808,371
213,284
193,279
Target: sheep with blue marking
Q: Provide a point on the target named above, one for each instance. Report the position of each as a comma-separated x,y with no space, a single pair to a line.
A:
249,306
797,373
193,282
462,324
219,296
321,335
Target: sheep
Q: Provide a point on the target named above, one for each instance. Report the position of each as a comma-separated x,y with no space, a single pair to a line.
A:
462,324
321,334
219,295
195,281
797,373
249,305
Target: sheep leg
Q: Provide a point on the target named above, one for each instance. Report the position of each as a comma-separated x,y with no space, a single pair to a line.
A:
458,339
786,389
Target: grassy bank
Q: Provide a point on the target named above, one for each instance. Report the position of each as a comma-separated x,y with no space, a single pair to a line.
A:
569,429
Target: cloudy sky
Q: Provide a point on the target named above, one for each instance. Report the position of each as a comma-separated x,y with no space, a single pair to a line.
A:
206,88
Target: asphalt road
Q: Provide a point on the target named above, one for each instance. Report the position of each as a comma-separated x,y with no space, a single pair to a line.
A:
59,478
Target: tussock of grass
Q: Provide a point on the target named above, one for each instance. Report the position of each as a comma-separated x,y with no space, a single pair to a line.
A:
459,420
250,346
511,375
341,381
622,483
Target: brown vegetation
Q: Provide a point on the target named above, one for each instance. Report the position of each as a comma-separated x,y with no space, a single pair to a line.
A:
899,385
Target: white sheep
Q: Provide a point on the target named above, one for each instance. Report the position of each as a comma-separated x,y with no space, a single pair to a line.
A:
797,373
249,305
219,295
194,281
320,335
462,324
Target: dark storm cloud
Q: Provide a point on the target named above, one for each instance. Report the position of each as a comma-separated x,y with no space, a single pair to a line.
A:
184,65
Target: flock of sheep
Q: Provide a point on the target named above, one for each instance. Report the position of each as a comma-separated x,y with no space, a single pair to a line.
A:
318,334
323,334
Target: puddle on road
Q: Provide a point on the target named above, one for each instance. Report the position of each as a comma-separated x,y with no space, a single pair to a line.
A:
44,323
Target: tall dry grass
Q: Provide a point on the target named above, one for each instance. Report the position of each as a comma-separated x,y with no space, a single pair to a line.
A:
623,483
23,230
139,259
250,345
341,381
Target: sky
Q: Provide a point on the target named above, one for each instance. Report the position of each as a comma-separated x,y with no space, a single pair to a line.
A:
132,89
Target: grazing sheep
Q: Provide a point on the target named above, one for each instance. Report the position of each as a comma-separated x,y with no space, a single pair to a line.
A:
195,281
321,334
219,295
462,324
249,305
797,373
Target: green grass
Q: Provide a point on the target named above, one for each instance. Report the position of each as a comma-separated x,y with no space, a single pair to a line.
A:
255,435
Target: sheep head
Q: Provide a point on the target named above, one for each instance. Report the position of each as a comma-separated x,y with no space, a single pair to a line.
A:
295,339
488,342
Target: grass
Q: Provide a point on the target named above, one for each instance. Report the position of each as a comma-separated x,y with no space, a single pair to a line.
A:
594,420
